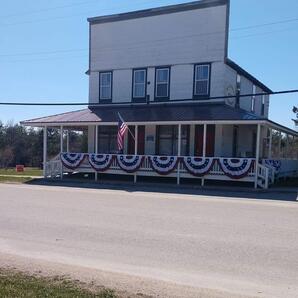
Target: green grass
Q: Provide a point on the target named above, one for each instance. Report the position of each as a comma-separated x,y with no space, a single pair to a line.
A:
18,285
27,172
12,179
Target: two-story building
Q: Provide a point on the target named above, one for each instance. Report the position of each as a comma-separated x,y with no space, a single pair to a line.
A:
192,111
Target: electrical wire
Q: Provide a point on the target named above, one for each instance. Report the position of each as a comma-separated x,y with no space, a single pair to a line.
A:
121,103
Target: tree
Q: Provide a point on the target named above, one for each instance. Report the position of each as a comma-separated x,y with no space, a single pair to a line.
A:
6,157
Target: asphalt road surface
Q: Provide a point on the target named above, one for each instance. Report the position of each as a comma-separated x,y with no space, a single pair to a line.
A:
229,245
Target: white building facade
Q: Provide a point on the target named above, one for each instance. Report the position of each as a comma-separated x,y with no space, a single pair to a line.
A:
166,71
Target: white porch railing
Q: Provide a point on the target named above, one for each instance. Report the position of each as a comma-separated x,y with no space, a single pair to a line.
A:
266,174
262,176
54,167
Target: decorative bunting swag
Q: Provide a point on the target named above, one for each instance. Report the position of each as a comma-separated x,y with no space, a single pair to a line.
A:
72,160
130,163
163,165
272,163
236,168
198,166
100,162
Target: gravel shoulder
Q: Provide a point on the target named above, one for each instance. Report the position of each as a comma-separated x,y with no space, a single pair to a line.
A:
125,286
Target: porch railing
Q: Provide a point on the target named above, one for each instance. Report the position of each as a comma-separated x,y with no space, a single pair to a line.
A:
266,174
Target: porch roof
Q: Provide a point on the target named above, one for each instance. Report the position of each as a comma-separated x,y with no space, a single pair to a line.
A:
152,113
162,112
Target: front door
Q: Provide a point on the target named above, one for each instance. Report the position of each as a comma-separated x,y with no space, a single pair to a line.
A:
210,140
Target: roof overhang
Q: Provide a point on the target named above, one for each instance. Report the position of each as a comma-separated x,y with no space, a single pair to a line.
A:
157,11
158,114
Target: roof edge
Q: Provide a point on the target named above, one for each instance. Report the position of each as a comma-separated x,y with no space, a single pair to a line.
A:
246,74
157,11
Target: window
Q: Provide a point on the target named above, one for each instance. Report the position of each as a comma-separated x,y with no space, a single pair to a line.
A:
162,82
139,83
201,80
107,139
167,140
105,85
253,99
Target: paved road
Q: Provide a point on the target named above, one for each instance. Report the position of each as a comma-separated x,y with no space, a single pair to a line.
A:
237,245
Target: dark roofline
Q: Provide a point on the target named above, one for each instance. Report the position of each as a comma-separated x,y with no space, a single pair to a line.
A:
157,11
247,75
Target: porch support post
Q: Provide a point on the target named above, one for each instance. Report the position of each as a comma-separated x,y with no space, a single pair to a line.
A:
270,143
257,155
61,139
96,148
67,140
136,140
204,140
204,149
179,153
61,150
279,145
45,149
136,149
287,146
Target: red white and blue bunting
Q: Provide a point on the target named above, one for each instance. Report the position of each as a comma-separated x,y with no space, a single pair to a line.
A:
272,163
72,160
100,162
163,165
198,166
130,163
236,168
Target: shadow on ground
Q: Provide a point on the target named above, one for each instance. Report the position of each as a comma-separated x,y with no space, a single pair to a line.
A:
168,186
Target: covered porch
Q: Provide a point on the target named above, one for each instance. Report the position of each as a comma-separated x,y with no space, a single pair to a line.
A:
248,149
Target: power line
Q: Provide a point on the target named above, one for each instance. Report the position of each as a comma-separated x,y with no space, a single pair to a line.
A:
265,24
108,10
48,9
121,103
152,41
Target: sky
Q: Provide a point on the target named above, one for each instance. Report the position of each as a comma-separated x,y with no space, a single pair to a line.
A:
44,50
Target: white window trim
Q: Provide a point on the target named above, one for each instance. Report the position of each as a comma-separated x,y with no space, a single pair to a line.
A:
135,84
162,83
200,80
107,85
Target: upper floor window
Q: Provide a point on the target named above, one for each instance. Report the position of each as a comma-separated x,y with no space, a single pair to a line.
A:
139,83
162,82
202,80
105,85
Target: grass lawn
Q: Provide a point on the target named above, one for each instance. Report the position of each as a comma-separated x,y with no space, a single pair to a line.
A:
27,172
18,285
12,179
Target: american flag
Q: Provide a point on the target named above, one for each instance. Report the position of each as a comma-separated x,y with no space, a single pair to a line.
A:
122,128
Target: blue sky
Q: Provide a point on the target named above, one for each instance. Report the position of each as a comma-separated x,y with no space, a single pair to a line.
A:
44,50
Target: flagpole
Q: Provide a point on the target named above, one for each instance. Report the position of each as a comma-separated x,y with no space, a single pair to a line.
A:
127,127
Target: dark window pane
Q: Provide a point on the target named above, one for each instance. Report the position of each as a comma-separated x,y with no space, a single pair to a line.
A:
162,75
139,76
105,78
162,90
139,90
201,88
202,72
